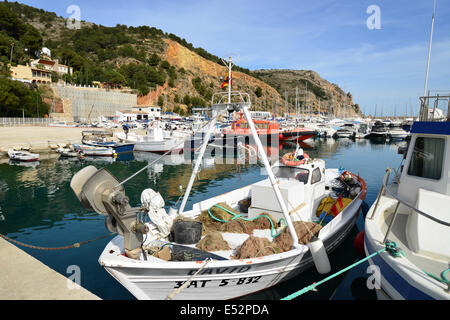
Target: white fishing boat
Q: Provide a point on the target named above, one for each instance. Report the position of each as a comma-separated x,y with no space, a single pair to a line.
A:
68,153
412,212
167,257
94,151
24,156
154,141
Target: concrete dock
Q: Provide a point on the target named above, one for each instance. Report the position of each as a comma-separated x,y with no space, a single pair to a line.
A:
23,277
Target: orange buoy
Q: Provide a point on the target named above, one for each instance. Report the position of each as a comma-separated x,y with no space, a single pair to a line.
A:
289,160
359,243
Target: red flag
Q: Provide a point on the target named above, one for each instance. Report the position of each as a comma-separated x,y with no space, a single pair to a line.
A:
229,79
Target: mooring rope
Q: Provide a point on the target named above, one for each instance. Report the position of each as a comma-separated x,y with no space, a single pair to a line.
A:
75,245
390,247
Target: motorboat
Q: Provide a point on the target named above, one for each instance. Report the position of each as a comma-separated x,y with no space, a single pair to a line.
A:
23,156
98,138
348,130
396,132
362,131
410,219
93,151
153,141
168,255
378,131
268,131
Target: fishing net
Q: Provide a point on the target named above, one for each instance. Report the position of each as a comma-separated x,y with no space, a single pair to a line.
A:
213,242
255,247
284,240
220,219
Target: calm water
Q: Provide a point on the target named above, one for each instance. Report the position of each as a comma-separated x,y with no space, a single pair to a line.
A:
38,207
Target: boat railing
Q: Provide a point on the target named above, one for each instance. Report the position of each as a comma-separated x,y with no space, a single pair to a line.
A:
233,100
430,103
384,189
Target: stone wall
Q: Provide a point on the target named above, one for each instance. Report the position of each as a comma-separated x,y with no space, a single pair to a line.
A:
88,104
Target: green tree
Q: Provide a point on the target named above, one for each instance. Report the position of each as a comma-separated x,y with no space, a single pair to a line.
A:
165,65
16,97
258,92
154,60
160,101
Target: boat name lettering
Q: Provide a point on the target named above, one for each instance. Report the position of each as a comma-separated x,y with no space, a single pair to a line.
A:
223,282
221,270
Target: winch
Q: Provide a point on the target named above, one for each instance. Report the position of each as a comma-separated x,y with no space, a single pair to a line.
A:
99,190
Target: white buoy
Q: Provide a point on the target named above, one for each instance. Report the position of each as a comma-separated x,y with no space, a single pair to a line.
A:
319,255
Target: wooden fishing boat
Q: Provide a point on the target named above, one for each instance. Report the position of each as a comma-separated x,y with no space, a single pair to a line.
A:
162,257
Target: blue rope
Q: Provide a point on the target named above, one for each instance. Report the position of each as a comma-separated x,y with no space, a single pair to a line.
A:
239,216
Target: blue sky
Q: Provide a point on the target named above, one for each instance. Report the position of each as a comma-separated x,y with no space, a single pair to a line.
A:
383,66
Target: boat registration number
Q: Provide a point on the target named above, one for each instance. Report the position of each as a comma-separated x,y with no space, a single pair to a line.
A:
222,283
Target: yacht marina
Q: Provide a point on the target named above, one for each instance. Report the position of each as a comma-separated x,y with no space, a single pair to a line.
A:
114,195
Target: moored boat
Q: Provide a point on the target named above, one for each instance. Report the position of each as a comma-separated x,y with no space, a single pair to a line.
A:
94,151
410,214
305,211
24,156
154,141
97,138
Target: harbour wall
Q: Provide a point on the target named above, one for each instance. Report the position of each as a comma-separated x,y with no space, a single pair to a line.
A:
88,103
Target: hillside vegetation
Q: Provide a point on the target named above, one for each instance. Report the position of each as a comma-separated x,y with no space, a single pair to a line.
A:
161,68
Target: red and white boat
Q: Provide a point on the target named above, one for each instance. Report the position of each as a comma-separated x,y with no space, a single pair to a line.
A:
268,130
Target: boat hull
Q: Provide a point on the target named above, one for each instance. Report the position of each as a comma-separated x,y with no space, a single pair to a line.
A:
221,279
23,156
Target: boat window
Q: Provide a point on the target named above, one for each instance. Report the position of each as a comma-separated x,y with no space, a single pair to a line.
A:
316,176
427,158
299,174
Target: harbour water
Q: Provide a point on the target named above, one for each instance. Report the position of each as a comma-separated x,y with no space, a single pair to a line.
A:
38,207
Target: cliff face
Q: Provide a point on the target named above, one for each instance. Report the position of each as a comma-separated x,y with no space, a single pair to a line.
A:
192,74
209,72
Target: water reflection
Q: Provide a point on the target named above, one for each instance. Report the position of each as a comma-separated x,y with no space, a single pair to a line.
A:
39,207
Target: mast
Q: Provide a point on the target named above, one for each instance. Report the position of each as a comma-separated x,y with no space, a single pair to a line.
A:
296,103
424,113
229,80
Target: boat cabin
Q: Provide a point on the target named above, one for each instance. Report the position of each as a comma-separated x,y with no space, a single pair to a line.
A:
425,184
300,185
261,125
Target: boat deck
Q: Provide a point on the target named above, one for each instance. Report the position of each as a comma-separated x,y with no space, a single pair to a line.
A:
398,235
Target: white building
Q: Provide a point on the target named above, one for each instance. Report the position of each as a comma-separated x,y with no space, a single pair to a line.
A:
139,113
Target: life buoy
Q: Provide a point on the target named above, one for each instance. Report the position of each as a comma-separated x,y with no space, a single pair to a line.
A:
289,160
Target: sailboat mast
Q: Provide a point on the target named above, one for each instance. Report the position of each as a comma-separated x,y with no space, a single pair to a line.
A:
229,80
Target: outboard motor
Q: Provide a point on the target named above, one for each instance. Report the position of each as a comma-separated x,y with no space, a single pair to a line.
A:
99,190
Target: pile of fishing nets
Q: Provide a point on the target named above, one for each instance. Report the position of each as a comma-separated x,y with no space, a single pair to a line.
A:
255,247
220,219
303,230
213,242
